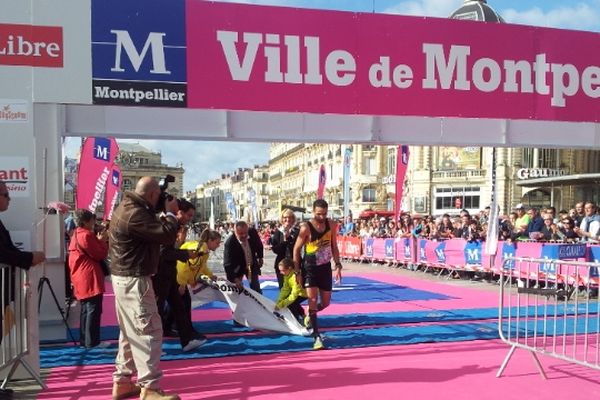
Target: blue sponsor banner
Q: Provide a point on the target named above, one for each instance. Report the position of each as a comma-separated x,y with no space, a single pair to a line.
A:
508,250
440,252
101,149
571,251
407,248
369,247
139,43
594,257
473,252
390,249
422,252
549,252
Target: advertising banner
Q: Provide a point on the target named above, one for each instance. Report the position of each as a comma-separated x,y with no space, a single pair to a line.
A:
97,157
139,53
14,171
113,186
322,182
247,57
249,307
401,167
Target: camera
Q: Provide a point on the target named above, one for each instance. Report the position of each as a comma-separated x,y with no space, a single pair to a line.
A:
163,184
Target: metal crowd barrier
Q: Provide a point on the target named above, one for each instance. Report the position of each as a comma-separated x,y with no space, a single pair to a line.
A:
550,307
14,345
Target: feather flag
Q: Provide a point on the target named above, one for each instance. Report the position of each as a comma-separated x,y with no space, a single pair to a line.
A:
98,155
322,181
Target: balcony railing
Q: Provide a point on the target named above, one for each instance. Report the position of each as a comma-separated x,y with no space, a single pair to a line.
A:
465,173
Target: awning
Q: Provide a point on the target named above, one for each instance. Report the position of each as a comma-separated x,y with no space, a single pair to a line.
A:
574,179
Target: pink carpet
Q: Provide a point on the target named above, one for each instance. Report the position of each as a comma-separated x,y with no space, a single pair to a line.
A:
423,371
462,298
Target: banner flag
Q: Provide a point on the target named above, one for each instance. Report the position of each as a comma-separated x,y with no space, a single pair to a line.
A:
249,307
401,167
231,206
491,242
98,154
347,163
112,192
211,219
322,181
252,205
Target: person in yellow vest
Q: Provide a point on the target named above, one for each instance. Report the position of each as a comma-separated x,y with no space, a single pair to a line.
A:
188,273
291,294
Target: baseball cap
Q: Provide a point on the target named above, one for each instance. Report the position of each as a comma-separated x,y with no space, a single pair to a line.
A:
519,206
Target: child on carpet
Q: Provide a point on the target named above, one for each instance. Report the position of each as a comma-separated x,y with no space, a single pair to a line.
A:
291,294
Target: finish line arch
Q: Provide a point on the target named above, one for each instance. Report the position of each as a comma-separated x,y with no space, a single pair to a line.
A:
191,69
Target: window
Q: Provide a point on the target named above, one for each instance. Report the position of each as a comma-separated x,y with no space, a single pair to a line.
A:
369,195
369,166
391,161
456,198
540,158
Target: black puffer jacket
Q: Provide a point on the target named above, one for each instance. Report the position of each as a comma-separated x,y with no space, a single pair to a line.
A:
135,236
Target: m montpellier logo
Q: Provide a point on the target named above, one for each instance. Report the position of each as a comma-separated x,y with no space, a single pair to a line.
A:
36,46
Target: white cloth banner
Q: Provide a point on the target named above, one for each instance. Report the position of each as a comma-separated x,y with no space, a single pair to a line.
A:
249,307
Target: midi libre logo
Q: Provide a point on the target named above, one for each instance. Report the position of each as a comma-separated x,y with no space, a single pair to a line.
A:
139,59
30,45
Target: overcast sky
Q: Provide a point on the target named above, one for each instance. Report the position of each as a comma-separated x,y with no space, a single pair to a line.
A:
204,161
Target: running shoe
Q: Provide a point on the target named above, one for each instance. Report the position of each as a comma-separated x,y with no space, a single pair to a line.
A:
318,344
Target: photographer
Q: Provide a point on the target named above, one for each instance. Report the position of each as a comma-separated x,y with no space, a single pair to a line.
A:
167,290
86,250
135,236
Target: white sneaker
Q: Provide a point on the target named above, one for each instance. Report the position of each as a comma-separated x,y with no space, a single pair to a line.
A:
193,344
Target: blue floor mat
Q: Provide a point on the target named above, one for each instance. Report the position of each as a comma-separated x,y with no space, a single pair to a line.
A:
357,320
55,356
356,290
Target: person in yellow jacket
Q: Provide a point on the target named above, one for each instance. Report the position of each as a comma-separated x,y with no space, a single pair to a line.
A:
190,272
291,294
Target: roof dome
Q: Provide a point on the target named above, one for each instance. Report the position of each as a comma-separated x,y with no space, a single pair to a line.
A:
477,10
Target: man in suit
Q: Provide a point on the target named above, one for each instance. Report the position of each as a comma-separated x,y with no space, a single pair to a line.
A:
11,255
243,255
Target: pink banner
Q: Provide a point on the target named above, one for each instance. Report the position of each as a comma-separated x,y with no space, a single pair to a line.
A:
322,182
401,166
113,187
246,57
97,157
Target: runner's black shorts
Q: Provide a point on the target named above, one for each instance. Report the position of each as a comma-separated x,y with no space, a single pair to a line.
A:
319,276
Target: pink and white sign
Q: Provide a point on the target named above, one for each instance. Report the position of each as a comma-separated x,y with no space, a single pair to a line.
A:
97,157
111,194
245,57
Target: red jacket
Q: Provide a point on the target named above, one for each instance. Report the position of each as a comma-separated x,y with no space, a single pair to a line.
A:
84,263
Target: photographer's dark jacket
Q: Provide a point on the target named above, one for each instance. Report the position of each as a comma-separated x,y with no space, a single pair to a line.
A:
135,236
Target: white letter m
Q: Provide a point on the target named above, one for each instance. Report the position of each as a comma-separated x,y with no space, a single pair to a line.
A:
154,42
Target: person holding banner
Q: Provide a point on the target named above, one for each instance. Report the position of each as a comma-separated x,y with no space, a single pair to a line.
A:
291,294
243,255
167,290
135,236
318,239
283,239
190,272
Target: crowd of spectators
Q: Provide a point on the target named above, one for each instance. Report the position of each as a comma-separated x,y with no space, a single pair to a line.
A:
580,223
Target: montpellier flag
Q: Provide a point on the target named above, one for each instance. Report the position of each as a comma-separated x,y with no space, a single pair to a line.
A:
97,157
322,180
112,191
401,166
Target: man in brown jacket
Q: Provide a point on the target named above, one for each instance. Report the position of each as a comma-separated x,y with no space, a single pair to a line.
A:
135,236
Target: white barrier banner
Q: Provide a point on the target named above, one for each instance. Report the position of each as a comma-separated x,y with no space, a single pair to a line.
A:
249,307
